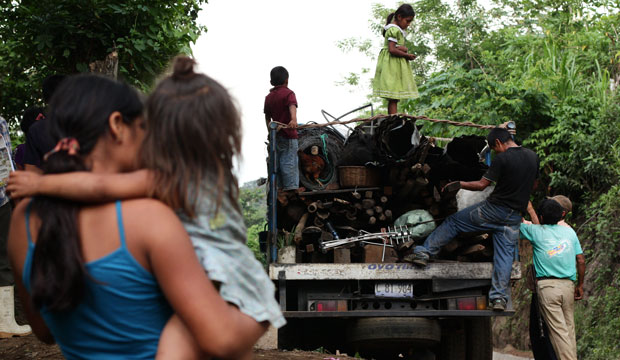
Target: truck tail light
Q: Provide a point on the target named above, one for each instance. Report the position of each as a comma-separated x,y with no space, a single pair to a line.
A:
331,305
481,303
468,303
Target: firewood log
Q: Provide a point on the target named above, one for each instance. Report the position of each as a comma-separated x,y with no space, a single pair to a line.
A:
300,227
368,203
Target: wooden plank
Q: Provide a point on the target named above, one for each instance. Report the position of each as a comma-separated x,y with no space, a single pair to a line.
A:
387,271
342,256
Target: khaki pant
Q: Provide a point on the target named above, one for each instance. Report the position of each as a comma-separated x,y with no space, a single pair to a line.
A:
557,304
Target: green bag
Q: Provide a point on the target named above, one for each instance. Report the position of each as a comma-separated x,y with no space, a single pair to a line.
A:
419,222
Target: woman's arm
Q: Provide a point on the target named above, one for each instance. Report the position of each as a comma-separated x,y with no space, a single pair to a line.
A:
81,186
17,248
219,329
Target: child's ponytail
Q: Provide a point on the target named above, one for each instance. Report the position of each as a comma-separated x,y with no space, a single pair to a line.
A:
194,136
388,21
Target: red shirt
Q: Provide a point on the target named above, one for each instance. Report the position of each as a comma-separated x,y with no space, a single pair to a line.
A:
277,104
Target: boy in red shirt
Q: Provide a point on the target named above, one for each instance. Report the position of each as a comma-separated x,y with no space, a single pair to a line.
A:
281,106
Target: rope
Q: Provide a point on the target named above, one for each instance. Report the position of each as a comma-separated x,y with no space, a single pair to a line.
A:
383,116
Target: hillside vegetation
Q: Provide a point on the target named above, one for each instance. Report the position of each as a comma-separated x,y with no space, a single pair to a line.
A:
553,67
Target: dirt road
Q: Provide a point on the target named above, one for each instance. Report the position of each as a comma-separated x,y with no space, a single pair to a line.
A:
28,348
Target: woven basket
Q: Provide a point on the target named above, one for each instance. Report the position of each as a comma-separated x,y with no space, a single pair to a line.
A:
351,176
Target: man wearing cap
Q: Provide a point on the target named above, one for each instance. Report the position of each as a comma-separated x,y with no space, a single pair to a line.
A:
558,262
566,205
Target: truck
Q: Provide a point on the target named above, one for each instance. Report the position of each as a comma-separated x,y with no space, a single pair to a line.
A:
345,286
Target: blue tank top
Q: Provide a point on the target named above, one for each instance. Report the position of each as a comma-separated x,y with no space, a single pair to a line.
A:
121,315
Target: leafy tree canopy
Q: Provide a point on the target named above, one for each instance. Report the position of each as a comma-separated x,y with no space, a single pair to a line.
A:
41,38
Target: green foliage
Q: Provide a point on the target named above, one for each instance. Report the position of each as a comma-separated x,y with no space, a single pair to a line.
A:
553,67
598,317
41,38
254,210
253,243
253,205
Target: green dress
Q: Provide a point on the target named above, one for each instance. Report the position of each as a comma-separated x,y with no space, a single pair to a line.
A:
394,77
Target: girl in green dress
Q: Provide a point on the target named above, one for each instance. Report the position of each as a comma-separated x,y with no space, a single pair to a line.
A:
393,77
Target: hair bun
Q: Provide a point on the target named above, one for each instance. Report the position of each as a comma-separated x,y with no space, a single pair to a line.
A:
183,68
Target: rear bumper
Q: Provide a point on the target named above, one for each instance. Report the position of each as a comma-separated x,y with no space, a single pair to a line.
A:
370,313
386,271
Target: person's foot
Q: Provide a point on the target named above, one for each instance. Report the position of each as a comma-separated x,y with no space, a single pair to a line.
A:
497,304
419,259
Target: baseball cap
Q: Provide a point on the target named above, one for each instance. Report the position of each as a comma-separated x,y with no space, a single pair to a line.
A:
563,201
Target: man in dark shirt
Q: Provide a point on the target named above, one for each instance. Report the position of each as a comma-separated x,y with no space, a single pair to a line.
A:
39,140
514,170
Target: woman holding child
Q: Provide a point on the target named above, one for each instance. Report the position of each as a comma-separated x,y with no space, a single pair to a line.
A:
104,280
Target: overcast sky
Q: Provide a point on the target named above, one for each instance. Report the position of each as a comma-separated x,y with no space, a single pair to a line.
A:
247,38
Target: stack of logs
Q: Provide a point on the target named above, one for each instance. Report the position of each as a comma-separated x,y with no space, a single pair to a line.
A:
342,213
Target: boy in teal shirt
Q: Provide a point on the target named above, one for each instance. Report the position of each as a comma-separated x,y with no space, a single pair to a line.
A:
558,259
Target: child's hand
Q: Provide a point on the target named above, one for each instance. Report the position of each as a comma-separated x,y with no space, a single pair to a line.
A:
411,57
23,184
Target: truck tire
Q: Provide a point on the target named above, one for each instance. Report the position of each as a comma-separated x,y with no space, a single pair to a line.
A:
453,346
479,337
386,331
330,143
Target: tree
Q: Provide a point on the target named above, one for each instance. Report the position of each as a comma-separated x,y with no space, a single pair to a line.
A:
40,38
552,66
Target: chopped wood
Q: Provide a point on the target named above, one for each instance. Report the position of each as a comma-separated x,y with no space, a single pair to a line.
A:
342,256
378,209
300,227
356,195
368,194
383,199
312,207
372,220
388,213
472,249
368,203
370,212
322,214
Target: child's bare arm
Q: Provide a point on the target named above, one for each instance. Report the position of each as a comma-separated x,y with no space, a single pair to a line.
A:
81,186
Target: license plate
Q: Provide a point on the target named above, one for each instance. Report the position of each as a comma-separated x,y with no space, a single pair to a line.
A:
395,290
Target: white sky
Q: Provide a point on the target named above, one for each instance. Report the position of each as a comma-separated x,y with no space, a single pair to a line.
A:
247,38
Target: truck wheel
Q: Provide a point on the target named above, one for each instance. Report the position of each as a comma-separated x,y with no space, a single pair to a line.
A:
479,337
382,333
452,345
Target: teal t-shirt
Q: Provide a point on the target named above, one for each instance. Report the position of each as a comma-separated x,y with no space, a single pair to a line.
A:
555,248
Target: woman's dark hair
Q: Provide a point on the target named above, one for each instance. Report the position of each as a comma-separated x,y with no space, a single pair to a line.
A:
30,116
278,75
79,109
549,212
500,134
49,86
193,135
405,10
